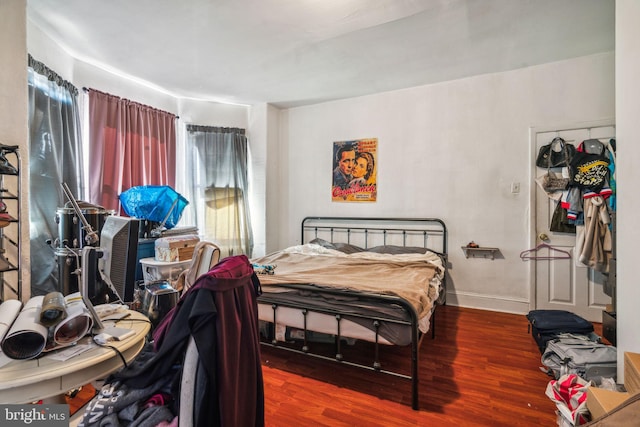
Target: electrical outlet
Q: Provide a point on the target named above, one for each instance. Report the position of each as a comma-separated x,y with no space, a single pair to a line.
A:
515,187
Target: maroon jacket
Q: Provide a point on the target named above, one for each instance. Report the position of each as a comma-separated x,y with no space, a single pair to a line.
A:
220,312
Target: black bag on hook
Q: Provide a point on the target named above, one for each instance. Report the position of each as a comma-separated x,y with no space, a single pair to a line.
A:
559,221
556,154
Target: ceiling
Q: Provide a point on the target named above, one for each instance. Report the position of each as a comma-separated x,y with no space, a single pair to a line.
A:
297,52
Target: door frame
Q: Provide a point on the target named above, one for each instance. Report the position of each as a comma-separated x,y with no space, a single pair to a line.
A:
533,238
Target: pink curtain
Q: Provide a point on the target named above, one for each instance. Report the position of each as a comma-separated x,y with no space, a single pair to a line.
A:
130,144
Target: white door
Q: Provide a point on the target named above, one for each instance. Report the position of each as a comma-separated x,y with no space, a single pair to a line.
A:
562,283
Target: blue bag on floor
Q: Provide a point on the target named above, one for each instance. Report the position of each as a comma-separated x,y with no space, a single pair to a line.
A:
548,324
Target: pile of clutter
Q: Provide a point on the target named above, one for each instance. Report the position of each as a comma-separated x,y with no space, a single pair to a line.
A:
576,358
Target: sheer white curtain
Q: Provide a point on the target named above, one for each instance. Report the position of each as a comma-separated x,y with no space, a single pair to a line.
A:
216,161
55,157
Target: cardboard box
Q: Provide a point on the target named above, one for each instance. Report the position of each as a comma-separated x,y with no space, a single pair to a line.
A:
175,248
632,372
601,401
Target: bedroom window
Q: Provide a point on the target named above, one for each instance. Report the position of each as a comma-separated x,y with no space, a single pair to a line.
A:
54,142
217,186
130,144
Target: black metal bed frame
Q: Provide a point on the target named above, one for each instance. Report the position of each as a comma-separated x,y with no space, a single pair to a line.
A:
366,232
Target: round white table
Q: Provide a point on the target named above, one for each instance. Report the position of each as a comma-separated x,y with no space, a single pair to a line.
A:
26,381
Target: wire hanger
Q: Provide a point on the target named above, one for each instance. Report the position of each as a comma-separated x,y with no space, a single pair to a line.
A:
531,253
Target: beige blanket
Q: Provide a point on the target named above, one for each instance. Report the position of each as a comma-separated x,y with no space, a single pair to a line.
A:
413,277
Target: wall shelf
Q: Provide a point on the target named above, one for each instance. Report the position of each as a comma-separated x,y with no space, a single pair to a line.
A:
480,252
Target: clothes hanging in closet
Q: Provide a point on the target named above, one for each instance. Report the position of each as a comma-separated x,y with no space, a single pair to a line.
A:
596,248
589,189
586,200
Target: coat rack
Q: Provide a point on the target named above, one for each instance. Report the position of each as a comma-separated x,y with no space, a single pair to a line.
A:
532,253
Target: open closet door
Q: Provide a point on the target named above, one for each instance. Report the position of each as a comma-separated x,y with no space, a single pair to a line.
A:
560,282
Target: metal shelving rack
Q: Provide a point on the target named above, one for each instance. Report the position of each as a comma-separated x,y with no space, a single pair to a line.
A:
10,250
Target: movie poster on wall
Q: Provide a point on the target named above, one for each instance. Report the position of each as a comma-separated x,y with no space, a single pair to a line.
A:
354,170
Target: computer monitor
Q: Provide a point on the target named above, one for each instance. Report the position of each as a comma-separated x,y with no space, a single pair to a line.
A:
90,256
119,247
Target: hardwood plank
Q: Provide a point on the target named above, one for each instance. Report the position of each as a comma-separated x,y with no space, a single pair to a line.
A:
482,369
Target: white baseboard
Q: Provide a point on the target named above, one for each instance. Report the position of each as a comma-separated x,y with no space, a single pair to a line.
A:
488,302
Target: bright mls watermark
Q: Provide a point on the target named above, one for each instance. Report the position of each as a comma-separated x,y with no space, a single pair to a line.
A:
34,415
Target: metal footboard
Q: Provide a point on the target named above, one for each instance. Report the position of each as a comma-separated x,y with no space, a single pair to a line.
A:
428,233
375,365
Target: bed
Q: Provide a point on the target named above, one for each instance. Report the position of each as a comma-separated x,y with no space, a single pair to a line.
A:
373,279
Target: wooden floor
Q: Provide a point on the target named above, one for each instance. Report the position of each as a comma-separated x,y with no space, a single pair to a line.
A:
482,369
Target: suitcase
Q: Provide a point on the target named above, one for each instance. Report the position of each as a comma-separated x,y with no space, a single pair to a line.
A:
577,354
547,324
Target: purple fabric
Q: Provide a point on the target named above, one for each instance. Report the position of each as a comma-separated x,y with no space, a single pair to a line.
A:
237,269
220,311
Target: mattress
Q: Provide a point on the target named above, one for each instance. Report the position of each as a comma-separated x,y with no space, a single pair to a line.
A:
379,283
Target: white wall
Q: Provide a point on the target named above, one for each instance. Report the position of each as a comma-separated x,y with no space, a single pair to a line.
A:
628,175
82,74
14,128
259,131
449,150
42,48
266,196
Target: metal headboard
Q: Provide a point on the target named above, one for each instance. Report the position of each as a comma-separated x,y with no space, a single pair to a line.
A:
430,233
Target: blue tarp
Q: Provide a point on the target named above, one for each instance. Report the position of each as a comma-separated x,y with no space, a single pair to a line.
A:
153,203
